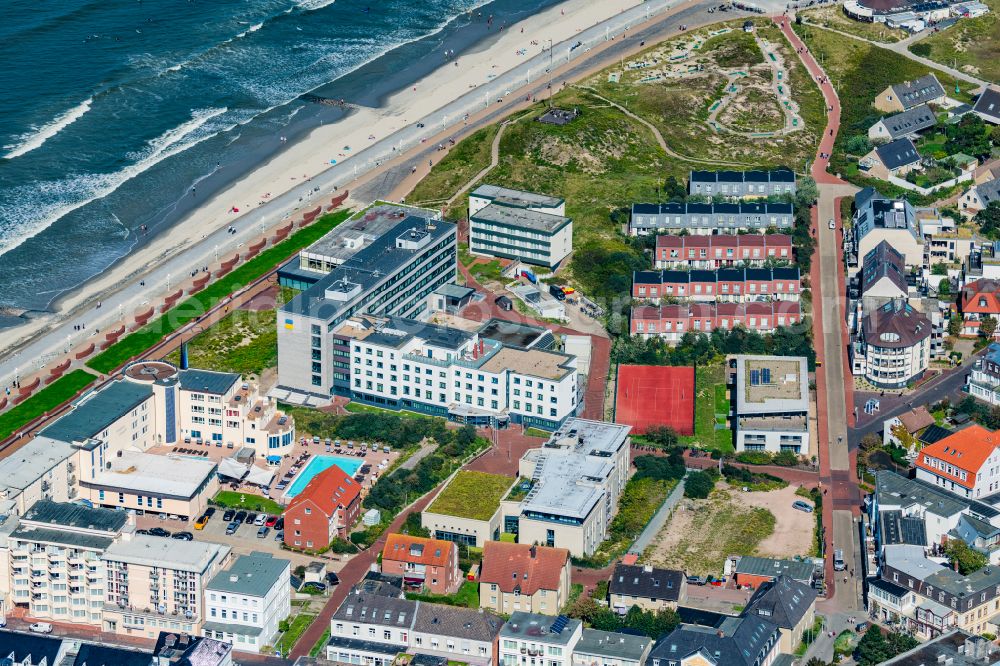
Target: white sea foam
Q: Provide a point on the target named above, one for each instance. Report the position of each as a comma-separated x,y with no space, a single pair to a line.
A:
78,191
33,140
312,5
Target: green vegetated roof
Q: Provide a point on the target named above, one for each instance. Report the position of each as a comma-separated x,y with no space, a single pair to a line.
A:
473,495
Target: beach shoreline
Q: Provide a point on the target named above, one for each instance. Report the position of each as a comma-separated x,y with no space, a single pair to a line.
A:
310,157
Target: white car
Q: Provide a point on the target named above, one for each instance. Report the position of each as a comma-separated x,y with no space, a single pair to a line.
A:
260,520
832,224
40,628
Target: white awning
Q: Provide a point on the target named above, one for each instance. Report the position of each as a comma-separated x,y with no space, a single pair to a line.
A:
259,476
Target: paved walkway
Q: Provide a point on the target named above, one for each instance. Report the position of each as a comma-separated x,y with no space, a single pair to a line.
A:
659,520
830,338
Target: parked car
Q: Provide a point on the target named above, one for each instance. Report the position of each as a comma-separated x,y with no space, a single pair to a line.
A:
271,521
557,292
279,536
240,516
802,506
313,587
260,520
332,578
209,512
696,580
832,224
142,531
201,522
40,627
280,525
183,536
233,526
262,532
251,517
838,560
159,531
228,514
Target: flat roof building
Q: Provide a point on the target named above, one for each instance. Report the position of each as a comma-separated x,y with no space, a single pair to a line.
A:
393,276
706,219
742,184
554,637
771,404
523,226
607,648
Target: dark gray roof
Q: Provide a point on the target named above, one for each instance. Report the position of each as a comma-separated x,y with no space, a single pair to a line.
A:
376,609
779,175
515,333
439,336
612,644
63,537
898,153
381,584
891,588
648,582
365,646
722,274
254,575
897,528
454,621
955,648
918,91
23,646
910,121
186,650
66,514
765,566
897,490
782,601
883,261
207,381
981,527
895,325
989,191
106,655
934,433
701,617
93,413
367,268
988,103
742,641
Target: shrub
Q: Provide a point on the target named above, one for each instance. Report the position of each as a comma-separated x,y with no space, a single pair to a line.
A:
698,485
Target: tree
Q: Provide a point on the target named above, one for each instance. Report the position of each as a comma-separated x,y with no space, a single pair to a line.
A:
903,436
806,192
970,135
661,436
872,648
966,558
954,324
944,287
698,485
870,441
988,220
857,145
987,327
674,189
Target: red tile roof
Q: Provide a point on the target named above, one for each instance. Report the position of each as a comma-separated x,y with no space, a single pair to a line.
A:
532,568
327,490
418,550
985,290
967,450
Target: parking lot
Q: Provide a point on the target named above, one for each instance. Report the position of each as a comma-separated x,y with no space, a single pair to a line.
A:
243,541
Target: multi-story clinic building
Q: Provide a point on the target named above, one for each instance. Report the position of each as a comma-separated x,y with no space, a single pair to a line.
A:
405,364
394,275
519,225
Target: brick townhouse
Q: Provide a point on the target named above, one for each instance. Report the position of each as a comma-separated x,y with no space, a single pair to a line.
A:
721,250
734,285
671,322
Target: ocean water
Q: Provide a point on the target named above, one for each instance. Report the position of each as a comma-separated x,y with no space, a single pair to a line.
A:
111,110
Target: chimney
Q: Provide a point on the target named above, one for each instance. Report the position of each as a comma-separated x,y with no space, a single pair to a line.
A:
720,633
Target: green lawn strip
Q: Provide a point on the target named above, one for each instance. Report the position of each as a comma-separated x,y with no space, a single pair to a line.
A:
296,628
709,401
44,401
190,309
470,494
463,161
319,649
231,500
971,45
467,596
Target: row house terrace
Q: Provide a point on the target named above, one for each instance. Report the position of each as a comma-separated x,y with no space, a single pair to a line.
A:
721,250
733,285
671,322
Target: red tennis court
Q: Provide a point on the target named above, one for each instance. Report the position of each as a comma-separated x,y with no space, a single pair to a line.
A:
650,395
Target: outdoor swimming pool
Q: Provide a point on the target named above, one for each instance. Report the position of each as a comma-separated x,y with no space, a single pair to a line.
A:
319,464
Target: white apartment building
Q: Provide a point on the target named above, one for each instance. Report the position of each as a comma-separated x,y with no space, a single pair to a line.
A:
405,364
56,572
370,629
530,638
576,479
771,404
245,602
513,224
893,345
156,584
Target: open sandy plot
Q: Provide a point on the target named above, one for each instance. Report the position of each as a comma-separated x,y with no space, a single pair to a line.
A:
701,534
